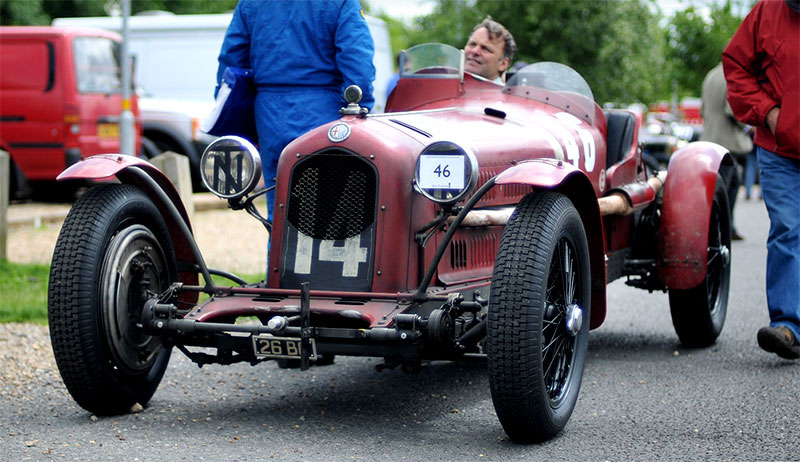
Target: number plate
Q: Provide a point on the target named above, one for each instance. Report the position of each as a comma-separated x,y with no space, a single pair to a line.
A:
267,346
108,130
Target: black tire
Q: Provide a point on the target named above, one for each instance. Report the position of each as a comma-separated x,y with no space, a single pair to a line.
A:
698,314
535,386
149,149
113,248
18,185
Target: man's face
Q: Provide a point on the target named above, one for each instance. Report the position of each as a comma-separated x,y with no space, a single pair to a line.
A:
484,55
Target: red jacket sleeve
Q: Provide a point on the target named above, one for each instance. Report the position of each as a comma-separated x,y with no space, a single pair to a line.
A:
741,61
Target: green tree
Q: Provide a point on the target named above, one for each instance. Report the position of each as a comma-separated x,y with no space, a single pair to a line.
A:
450,22
398,34
695,43
22,13
616,45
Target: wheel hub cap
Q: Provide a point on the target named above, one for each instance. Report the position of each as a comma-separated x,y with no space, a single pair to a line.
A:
726,255
574,319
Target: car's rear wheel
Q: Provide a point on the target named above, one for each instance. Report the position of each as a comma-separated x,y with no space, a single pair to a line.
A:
113,252
539,317
698,314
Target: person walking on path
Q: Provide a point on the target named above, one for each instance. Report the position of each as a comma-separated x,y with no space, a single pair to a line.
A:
721,127
762,64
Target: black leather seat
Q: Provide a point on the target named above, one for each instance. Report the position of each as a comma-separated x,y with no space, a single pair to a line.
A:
620,135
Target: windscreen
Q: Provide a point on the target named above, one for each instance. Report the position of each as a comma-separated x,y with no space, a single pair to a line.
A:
431,60
551,76
97,66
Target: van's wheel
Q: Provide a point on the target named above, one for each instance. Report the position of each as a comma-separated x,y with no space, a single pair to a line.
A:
149,149
113,252
18,186
539,317
698,314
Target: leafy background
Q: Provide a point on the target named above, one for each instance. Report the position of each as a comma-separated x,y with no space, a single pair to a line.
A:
626,49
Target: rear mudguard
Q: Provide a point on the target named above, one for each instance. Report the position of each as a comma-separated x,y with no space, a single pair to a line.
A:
107,166
686,211
572,182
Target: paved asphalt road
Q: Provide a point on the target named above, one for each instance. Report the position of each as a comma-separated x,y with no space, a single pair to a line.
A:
644,398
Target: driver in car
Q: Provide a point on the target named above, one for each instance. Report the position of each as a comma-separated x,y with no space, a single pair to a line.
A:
489,50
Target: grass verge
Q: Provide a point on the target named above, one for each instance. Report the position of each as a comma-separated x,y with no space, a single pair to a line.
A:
23,291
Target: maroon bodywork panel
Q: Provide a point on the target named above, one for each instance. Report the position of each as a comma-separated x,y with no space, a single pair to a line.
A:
685,214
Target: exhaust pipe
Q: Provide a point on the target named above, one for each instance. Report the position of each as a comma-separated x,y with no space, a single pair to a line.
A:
616,203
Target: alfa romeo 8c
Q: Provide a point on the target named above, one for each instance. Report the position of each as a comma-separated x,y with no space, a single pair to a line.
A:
470,221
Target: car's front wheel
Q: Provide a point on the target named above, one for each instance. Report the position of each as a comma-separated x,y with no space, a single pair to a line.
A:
113,252
539,317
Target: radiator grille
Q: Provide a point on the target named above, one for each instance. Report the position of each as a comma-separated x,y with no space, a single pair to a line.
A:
332,196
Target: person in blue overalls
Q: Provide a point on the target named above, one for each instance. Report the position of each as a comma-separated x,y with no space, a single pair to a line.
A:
303,55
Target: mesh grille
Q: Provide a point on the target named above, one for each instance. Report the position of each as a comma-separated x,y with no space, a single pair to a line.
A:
332,196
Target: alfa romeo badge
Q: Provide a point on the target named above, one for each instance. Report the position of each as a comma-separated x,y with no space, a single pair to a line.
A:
339,132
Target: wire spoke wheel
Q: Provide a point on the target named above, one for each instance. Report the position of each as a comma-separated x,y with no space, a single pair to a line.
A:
538,317
558,343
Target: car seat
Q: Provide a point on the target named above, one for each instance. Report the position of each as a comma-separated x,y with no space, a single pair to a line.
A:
619,135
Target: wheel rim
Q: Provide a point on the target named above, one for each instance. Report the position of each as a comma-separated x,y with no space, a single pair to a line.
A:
559,332
718,260
134,268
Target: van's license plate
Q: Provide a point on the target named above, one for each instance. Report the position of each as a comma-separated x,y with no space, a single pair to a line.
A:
108,130
267,346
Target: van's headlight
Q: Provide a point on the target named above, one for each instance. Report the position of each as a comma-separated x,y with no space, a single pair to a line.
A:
446,172
230,167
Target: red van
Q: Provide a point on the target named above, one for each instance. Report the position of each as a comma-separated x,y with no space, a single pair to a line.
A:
60,98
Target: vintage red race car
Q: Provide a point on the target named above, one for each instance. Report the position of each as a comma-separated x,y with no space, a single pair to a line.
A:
470,221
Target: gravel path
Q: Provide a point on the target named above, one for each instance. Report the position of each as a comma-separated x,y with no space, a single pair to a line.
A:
232,241
229,240
26,360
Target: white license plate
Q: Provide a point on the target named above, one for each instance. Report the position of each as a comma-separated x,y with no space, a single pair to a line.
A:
267,346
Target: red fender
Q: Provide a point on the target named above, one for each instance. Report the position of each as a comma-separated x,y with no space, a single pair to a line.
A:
106,166
573,183
685,213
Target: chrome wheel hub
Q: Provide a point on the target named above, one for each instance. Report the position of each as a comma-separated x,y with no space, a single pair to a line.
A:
574,319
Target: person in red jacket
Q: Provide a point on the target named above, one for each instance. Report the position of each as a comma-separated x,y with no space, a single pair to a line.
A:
762,69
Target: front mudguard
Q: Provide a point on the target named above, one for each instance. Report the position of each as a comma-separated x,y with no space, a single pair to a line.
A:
572,182
128,170
686,212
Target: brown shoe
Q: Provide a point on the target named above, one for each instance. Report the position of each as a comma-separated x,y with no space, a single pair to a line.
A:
779,340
